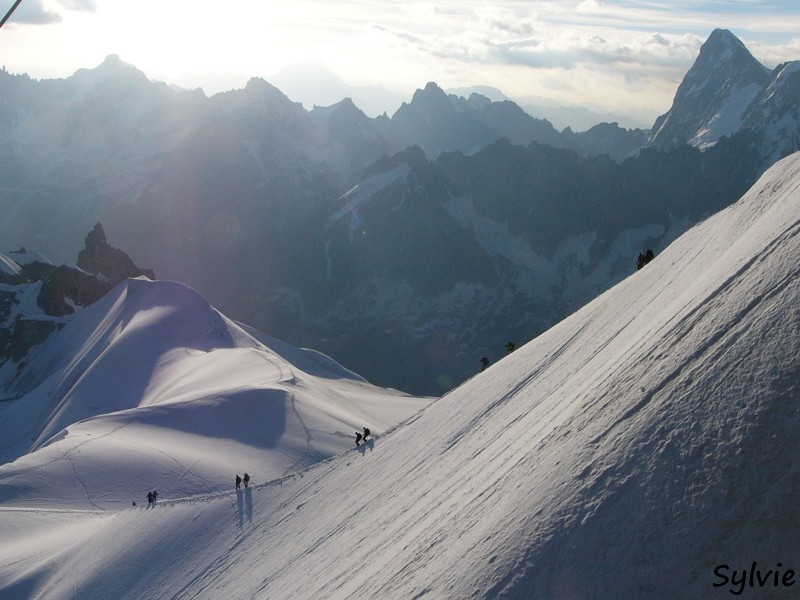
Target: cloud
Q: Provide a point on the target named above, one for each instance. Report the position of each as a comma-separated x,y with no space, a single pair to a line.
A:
402,36
590,6
504,20
500,42
772,55
549,35
80,5
33,12
532,53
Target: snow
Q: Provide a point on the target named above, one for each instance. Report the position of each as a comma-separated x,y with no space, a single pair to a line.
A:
25,303
152,387
728,120
568,269
625,453
355,198
782,74
26,258
494,237
8,266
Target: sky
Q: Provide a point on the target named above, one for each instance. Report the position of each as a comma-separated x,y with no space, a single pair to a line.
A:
626,56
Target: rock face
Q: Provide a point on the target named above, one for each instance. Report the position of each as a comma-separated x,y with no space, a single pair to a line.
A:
37,294
713,96
21,335
64,289
728,92
102,259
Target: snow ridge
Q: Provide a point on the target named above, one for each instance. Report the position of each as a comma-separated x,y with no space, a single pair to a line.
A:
151,386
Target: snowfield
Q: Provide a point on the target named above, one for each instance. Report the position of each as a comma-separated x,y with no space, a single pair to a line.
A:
646,447
151,388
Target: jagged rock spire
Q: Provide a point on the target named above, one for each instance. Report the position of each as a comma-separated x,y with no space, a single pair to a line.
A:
99,258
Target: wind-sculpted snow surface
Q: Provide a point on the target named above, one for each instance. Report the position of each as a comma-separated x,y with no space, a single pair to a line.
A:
645,447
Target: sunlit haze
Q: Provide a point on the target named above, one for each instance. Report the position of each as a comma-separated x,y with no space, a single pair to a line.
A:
625,56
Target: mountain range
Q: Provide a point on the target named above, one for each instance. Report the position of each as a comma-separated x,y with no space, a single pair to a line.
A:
644,447
314,85
406,246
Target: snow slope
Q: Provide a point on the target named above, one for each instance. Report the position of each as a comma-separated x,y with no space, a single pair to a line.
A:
628,452
151,387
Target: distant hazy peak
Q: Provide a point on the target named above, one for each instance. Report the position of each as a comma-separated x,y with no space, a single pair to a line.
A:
430,93
347,105
114,71
262,92
259,84
114,64
112,61
433,88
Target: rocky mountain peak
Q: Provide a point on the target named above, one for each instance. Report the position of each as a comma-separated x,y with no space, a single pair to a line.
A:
62,290
724,58
431,99
721,40
714,96
96,238
259,89
112,264
347,109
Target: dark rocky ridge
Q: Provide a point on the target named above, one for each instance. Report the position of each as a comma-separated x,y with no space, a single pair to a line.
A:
102,259
63,289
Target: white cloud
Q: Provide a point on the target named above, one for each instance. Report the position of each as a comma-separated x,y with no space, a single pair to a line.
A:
39,12
590,6
773,55
33,12
80,5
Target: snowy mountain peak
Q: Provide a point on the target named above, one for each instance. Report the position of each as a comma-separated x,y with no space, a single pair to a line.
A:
718,97
724,55
721,41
